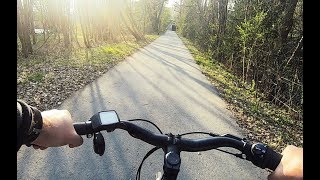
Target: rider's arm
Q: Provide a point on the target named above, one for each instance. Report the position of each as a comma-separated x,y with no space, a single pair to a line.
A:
29,122
56,128
291,164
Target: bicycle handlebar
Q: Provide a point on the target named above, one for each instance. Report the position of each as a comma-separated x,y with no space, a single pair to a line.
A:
259,154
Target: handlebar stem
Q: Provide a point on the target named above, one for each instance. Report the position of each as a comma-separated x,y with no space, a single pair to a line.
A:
172,162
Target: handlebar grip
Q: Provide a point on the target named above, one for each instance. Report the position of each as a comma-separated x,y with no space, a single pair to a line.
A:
82,128
263,156
272,159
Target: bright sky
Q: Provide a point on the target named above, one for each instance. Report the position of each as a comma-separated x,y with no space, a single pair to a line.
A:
171,2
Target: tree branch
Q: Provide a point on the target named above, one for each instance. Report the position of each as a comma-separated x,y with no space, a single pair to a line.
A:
295,51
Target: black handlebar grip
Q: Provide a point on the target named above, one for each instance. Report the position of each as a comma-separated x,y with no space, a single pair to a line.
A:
272,159
82,128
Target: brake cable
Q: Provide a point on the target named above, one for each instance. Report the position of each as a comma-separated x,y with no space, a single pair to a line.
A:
144,158
199,132
150,152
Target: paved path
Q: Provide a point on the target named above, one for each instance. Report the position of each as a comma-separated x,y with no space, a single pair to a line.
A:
162,83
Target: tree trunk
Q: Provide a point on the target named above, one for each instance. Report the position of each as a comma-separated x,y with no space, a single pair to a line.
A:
158,22
31,20
83,23
63,13
144,19
84,34
222,17
23,28
76,36
66,37
42,21
286,20
133,30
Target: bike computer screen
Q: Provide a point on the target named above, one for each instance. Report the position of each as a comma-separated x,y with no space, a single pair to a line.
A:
108,117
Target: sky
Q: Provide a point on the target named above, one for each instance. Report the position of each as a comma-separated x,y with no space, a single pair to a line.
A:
171,2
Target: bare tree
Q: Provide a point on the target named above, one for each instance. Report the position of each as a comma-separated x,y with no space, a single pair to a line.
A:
222,17
23,26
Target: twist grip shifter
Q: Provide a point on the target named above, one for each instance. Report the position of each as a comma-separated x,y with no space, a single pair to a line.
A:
265,157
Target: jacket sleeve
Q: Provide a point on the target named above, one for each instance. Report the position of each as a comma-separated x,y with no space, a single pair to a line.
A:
28,121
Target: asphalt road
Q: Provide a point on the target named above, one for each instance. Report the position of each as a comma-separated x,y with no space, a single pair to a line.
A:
162,83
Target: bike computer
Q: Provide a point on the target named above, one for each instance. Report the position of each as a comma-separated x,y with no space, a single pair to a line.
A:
108,117
105,120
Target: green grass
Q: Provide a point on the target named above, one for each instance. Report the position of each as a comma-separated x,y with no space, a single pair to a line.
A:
36,77
151,37
103,54
267,122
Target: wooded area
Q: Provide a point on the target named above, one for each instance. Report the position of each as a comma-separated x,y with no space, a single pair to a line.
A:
260,41
83,23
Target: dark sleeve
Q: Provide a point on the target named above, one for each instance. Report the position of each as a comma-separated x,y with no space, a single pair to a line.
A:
29,123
